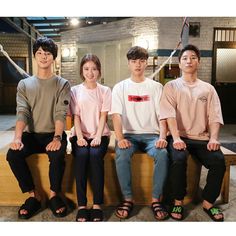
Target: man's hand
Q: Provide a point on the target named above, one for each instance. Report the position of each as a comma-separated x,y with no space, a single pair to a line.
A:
16,144
161,143
124,143
179,144
213,145
55,145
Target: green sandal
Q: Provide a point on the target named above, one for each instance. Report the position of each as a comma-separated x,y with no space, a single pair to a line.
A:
176,209
212,212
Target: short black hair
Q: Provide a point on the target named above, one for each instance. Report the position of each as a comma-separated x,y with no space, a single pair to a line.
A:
190,47
47,44
137,52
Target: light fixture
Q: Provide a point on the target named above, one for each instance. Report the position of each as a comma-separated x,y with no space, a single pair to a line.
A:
65,52
146,41
68,53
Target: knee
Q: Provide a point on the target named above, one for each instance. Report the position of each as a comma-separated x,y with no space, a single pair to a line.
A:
123,155
57,157
219,161
178,157
161,156
12,156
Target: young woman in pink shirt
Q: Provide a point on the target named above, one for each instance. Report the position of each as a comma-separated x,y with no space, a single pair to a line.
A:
90,104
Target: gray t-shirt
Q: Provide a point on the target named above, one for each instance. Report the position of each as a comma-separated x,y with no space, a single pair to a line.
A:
40,102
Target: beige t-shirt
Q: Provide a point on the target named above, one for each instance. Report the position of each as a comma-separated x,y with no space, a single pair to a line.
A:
194,106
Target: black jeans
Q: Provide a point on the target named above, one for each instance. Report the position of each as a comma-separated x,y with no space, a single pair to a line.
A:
212,160
89,158
36,143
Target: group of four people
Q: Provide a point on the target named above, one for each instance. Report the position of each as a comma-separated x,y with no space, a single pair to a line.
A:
167,124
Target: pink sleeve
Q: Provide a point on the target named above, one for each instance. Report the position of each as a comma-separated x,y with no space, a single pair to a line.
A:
215,113
168,102
74,106
106,103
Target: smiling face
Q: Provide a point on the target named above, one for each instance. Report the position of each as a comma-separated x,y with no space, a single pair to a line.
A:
90,72
189,62
43,58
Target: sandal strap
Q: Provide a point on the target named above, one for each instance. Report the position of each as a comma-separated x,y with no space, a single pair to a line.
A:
32,206
215,210
158,204
177,209
126,205
82,213
96,214
56,203
157,207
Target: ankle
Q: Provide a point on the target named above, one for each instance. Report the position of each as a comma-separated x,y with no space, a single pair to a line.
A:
35,194
156,200
178,202
96,206
207,205
52,194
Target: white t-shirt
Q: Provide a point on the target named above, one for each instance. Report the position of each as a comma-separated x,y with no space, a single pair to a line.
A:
88,103
138,105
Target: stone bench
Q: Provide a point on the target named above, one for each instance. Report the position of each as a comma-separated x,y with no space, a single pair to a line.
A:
10,193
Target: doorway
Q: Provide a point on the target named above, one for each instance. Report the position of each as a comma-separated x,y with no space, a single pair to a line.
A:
224,71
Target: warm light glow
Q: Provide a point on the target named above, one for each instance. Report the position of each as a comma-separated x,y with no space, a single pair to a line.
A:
74,21
68,52
65,52
146,41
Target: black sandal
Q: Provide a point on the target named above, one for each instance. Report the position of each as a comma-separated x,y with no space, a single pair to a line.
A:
56,203
32,206
212,212
124,206
82,213
177,209
96,215
159,207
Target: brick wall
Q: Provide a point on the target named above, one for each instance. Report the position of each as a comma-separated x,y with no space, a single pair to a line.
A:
165,33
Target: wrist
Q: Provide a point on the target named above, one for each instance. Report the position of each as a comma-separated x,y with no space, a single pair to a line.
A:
162,137
57,138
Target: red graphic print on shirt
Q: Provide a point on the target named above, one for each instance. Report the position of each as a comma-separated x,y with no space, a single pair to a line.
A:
136,98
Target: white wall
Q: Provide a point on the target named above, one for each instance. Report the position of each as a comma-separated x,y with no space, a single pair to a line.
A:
160,32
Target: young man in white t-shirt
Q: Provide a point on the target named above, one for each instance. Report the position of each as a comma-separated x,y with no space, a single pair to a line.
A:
193,113
135,112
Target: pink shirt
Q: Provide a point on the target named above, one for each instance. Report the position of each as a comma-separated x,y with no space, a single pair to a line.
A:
88,103
194,106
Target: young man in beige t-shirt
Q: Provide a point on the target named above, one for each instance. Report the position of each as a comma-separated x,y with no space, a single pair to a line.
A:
193,113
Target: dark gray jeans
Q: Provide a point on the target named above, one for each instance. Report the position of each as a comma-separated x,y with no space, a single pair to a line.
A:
36,143
213,160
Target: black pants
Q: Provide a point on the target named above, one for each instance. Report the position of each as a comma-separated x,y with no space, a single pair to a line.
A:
36,143
92,159
212,160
